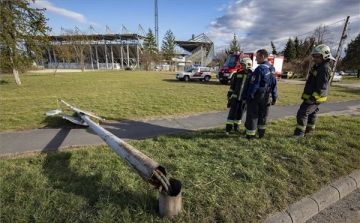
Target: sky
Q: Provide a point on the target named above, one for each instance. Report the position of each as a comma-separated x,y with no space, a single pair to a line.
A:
254,22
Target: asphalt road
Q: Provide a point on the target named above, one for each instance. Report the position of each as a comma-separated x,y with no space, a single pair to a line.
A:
346,210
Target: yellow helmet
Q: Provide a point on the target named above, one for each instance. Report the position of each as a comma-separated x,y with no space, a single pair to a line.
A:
324,50
247,62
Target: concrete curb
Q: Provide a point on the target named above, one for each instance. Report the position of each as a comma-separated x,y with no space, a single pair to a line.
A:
308,207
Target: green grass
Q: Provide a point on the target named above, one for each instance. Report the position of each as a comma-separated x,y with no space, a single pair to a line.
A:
350,79
119,95
225,179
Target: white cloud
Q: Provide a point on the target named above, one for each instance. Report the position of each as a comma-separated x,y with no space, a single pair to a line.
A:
63,12
257,23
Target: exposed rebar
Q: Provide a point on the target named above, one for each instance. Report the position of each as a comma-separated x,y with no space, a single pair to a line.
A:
164,181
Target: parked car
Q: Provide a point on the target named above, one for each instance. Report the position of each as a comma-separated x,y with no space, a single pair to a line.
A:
195,73
129,67
287,74
337,77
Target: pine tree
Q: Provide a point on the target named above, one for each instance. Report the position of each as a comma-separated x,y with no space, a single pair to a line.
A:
150,43
234,46
168,46
274,52
22,35
352,58
150,50
307,46
289,52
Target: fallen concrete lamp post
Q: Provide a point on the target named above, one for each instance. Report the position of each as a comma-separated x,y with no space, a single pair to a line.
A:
148,169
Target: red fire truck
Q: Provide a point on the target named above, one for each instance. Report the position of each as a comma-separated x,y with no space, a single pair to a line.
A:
232,64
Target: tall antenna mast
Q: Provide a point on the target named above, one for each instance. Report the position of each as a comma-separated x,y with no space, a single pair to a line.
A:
156,24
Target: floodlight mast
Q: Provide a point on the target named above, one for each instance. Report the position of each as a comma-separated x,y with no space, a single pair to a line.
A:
149,170
156,24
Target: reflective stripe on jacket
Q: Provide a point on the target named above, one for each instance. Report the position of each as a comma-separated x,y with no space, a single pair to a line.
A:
318,82
237,83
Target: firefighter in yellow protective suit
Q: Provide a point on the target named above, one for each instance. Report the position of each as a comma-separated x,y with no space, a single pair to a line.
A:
315,91
237,109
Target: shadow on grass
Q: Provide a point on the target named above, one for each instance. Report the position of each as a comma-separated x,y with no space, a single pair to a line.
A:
91,186
3,82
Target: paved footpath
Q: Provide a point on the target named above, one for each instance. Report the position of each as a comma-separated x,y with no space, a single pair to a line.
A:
48,139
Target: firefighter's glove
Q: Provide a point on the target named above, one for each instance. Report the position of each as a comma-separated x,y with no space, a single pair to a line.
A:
229,94
228,105
273,102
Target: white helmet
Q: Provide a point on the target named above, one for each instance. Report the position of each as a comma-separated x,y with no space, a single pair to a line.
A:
247,62
324,50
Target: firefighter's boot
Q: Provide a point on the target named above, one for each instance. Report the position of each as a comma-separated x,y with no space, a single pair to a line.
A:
236,127
261,133
310,130
228,128
298,133
250,137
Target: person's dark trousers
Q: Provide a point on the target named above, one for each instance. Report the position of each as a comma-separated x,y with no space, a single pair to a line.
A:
240,112
263,115
256,109
306,118
234,107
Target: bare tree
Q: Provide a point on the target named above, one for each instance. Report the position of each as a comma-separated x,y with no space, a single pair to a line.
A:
78,42
221,57
323,35
64,53
146,59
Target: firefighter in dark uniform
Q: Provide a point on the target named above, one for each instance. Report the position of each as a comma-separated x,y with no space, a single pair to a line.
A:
261,128
256,95
237,108
315,90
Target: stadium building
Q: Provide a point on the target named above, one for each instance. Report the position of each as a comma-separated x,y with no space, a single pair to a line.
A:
76,49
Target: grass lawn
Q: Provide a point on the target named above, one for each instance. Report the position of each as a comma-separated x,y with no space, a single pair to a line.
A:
119,95
225,179
350,79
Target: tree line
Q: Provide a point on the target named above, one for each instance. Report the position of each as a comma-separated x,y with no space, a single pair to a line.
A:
24,39
297,51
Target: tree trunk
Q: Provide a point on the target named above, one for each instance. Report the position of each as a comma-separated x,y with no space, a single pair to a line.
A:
56,67
15,72
16,76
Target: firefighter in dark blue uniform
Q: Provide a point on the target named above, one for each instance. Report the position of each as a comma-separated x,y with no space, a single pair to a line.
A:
237,108
315,91
260,84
